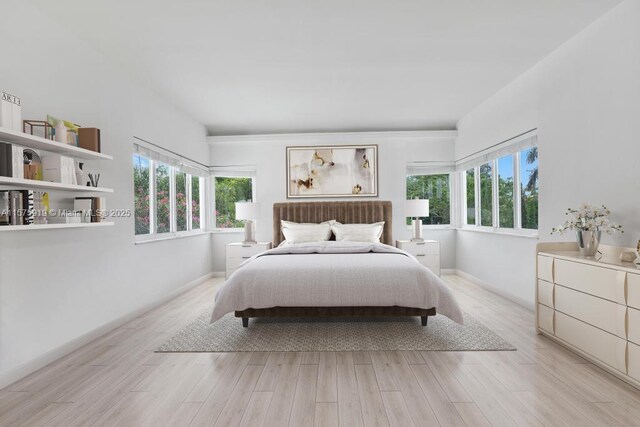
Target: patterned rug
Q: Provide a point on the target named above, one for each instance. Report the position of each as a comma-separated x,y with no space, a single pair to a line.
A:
333,334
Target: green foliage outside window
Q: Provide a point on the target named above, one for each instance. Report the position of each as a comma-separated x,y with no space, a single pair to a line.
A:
195,202
471,197
486,195
529,188
506,190
228,191
181,201
436,189
163,204
141,194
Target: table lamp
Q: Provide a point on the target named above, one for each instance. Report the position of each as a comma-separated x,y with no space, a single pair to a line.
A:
417,208
248,211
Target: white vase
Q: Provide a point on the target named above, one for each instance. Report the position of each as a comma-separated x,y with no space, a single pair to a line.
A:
588,242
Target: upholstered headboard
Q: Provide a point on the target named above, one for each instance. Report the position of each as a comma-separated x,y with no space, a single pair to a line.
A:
365,212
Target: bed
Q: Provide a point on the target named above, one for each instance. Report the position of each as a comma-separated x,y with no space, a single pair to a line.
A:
334,279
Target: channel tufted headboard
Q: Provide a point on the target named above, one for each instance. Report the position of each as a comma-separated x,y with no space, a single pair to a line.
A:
365,212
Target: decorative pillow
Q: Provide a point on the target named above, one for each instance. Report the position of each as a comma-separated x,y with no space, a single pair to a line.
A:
295,232
369,233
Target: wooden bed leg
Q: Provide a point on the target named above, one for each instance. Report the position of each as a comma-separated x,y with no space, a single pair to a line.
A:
425,319
245,322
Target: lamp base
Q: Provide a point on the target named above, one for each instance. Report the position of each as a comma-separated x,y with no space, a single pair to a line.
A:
249,233
417,231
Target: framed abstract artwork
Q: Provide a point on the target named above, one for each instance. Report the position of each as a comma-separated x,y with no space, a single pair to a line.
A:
332,171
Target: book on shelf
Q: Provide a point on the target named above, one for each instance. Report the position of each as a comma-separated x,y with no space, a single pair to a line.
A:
57,168
10,112
95,206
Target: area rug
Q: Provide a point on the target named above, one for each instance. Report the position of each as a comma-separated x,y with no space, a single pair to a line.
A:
333,334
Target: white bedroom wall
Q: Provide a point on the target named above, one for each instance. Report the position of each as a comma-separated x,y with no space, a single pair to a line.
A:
58,285
584,99
395,150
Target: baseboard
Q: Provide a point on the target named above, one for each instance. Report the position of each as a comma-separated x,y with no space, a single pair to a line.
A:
51,356
448,271
526,304
218,274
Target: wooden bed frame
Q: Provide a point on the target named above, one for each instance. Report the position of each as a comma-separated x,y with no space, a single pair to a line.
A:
354,212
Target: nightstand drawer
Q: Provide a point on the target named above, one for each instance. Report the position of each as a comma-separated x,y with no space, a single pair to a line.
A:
429,260
239,251
233,263
421,248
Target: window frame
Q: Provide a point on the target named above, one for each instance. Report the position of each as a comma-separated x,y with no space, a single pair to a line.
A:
153,234
495,209
214,220
451,224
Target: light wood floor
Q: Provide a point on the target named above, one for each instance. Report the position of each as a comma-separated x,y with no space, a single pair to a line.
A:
118,380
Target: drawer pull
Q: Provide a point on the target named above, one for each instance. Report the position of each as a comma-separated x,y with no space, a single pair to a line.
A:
421,243
246,257
421,255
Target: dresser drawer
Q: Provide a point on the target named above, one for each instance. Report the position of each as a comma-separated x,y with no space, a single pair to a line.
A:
633,322
545,293
602,345
238,251
545,268
634,361
595,311
602,282
546,318
633,290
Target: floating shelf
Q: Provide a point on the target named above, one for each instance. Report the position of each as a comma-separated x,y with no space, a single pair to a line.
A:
53,226
18,183
39,143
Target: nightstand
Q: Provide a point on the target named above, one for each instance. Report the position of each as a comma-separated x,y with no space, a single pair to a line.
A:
237,253
426,252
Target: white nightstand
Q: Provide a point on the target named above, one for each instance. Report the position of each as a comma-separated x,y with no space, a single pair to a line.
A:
237,253
427,252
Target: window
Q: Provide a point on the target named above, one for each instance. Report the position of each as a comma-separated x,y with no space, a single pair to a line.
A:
167,194
163,198
486,195
228,191
471,196
181,201
435,188
196,213
141,192
505,192
529,188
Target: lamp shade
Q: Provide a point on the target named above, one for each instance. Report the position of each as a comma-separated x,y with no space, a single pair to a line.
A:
247,210
416,208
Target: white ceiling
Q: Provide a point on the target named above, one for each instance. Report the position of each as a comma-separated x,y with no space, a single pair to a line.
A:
279,66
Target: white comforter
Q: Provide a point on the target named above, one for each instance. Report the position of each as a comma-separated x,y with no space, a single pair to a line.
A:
330,274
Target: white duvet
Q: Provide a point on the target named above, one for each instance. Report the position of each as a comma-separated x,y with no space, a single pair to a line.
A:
333,274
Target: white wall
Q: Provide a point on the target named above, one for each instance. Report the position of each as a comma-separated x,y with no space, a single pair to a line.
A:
395,149
57,285
584,99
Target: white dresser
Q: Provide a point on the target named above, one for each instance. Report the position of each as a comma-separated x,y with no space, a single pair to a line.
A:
427,252
236,253
591,306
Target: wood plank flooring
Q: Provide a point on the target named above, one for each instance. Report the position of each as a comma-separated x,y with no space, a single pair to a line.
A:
118,380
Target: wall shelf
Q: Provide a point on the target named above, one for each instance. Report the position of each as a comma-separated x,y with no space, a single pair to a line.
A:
32,227
18,183
38,143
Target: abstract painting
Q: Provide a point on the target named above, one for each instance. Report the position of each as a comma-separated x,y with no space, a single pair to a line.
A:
332,171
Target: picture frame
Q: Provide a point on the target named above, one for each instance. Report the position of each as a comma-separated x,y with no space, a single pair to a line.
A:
331,171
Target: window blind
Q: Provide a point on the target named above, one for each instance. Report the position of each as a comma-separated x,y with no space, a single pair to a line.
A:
170,159
233,171
510,146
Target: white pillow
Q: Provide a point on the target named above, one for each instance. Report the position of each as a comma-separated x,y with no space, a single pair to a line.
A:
295,232
369,233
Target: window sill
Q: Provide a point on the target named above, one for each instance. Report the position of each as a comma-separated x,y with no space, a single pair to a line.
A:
170,236
502,232
226,230
434,227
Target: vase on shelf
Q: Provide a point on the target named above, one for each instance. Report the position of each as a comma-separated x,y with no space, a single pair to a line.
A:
588,241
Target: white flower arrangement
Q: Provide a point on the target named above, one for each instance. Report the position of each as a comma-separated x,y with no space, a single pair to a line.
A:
588,218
